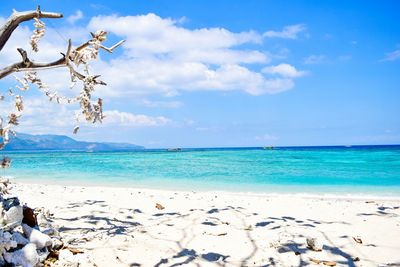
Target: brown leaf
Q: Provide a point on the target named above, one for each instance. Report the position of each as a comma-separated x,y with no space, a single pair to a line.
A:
315,261
75,250
159,206
329,263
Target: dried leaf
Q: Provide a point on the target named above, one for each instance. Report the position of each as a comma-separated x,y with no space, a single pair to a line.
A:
75,250
315,261
19,105
159,206
37,34
13,119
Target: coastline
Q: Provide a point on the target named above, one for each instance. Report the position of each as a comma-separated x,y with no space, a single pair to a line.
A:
295,190
121,226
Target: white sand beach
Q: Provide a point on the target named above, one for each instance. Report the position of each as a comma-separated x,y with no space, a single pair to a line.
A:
123,227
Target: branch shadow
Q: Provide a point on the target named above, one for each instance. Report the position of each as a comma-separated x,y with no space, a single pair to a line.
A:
182,253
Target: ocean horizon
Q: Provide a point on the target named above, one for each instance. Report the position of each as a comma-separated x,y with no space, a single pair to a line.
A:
344,170
188,149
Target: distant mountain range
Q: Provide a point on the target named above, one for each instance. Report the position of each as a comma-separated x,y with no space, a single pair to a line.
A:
61,142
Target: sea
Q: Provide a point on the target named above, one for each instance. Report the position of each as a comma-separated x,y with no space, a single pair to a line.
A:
338,170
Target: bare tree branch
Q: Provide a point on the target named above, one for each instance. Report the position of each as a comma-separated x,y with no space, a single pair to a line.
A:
26,64
111,49
76,60
17,17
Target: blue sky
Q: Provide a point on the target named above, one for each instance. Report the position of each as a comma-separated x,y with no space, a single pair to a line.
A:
231,73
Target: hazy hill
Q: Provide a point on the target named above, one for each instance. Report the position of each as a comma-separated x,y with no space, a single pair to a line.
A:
61,142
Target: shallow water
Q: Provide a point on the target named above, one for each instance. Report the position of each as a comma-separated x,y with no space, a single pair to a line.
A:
365,170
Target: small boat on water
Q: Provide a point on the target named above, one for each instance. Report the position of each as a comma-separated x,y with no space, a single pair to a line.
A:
174,149
268,147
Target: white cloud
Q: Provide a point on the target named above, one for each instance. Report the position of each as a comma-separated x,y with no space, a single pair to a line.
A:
75,17
284,70
219,56
41,116
151,34
392,56
167,77
120,118
315,59
160,56
288,32
160,104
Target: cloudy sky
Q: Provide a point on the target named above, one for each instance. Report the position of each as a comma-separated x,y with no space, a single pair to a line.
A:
225,73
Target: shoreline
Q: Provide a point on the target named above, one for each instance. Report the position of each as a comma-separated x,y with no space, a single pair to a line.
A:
118,226
322,195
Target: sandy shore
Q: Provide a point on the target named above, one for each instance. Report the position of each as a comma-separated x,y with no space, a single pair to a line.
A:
123,227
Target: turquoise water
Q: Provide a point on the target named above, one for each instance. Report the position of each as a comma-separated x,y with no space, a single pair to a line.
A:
370,170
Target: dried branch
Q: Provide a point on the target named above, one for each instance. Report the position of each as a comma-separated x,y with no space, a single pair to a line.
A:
26,65
17,17
111,49
72,59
